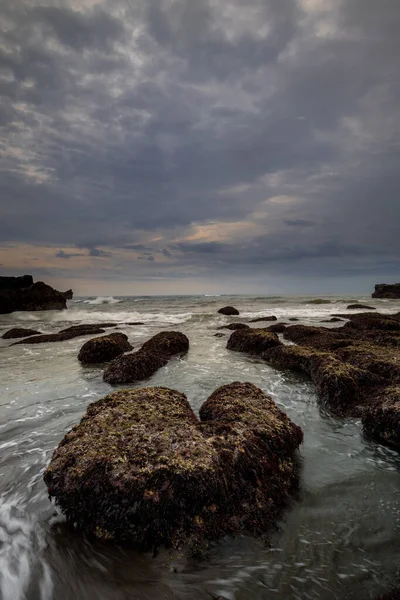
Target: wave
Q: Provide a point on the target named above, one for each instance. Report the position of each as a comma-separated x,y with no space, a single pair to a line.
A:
120,317
103,300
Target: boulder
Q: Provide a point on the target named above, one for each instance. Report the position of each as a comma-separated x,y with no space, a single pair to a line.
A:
252,341
19,332
294,319
141,468
235,326
229,310
271,318
38,296
154,354
104,348
277,328
383,290
360,306
333,320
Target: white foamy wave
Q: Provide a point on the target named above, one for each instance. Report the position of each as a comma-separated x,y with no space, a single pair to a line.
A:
91,316
103,300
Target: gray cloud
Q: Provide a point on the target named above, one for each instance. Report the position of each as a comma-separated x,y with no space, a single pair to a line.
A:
127,124
66,255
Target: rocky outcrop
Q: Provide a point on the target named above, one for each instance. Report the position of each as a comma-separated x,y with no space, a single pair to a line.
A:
38,296
383,290
141,468
67,334
252,341
360,307
271,318
19,332
333,320
382,422
104,348
154,354
229,310
277,327
15,283
68,295
235,326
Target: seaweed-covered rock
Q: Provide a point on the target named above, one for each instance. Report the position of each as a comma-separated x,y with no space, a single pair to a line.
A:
154,354
235,326
333,320
323,338
19,332
229,311
67,334
277,328
259,319
382,421
140,467
252,341
360,306
104,349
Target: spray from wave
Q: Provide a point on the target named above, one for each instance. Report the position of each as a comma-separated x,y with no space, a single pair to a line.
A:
103,300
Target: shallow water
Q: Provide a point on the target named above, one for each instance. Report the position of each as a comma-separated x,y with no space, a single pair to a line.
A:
339,539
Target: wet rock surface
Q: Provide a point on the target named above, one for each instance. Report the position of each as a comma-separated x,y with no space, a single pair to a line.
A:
19,332
252,341
141,467
67,334
384,290
154,354
259,319
360,307
229,311
235,326
104,348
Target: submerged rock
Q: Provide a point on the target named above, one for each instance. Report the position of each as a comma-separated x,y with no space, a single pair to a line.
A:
384,290
252,341
104,349
235,326
67,334
154,354
229,310
271,318
360,306
333,320
140,467
19,332
219,335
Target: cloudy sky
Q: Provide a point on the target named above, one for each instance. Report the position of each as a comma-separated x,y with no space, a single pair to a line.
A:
200,146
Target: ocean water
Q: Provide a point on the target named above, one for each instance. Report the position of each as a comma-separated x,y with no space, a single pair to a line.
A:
339,539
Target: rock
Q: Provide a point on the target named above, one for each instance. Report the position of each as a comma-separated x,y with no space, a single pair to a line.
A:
277,328
271,318
228,310
235,326
38,296
16,283
382,422
293,319
134,323
19,332
333,320
360,306
140,467
154,354
383,290
252,341
393,595
323,338
68,295
318,301
67,334
104,349
219,335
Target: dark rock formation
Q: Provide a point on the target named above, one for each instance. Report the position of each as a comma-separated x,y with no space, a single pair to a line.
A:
360,306
16,283
333,320
382,422
294,319
67,334
252,341
19,332
38,296
383,290
393,595
229,310
219,335
277,328
271,318
235,326
105,348
140,467
68,295
154,354
318,301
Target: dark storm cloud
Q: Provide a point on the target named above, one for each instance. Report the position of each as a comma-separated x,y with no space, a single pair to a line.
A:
129,122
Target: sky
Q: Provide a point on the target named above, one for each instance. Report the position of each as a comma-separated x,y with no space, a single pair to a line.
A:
200,146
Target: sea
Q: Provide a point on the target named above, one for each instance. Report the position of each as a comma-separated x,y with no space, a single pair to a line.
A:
339,539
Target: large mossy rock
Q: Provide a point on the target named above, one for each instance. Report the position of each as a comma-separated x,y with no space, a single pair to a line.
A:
229,311
252,341
104,348
141,467
154,354
19,332
382,422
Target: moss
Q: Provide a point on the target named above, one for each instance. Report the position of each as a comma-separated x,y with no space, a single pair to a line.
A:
104,349
252,341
